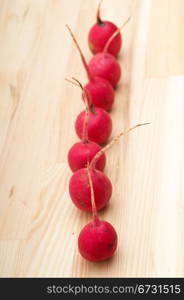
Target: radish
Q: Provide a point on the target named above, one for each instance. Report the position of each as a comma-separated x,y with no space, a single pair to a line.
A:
104,64
80,192
99,126
82,152
99,122
79,185
100,90
97,241
100,33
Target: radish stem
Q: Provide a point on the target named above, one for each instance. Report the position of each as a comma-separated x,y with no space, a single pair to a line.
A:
80,52
85,96
98,17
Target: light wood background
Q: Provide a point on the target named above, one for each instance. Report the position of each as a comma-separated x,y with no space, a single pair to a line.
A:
39,225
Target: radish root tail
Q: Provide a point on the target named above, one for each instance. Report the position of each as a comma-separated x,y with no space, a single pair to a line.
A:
80,52
93,204
115,34
85,96
103,150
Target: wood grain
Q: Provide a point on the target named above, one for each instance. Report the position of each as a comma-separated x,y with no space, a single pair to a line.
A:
39,225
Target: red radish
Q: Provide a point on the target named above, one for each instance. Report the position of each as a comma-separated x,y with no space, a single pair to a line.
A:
104,64
100,33
82,152
98,239
99,125
100,90
80,191
79,186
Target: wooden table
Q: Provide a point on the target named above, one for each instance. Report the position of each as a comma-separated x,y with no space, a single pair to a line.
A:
39,225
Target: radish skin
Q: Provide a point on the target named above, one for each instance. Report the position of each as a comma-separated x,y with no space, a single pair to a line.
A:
82,153
99,126
80,191
106,66
97,241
